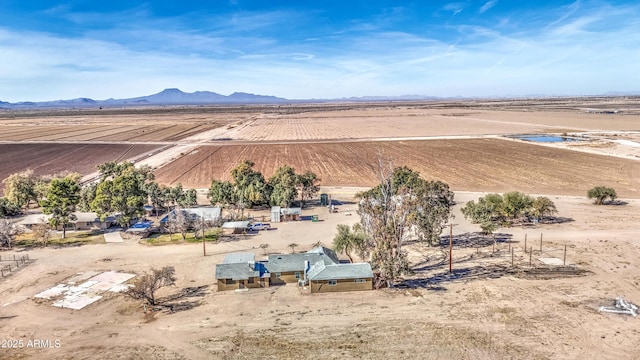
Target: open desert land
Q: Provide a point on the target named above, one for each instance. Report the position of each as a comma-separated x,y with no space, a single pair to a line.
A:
486,309
493,305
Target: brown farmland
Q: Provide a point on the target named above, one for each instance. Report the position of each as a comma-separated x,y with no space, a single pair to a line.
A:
49,159
473,165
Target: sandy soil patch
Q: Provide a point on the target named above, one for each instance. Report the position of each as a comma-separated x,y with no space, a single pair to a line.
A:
485,311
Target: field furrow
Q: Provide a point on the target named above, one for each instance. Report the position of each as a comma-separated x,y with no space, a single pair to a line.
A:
474,165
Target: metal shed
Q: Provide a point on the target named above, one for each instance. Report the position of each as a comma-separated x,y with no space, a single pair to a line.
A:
275,214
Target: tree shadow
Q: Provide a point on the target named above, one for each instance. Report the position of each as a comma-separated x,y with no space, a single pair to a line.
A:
172,304
436,281
475,239
555,220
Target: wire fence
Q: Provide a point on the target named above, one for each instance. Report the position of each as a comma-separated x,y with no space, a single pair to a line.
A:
11,263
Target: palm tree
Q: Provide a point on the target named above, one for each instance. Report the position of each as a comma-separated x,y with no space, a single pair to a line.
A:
347,240
293,247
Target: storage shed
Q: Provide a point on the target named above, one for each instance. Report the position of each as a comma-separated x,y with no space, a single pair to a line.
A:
290,214
275,214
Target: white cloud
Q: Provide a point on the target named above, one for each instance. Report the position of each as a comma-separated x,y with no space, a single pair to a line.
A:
488,5
581,52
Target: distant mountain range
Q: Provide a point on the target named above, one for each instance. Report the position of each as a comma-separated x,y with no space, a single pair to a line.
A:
165,97
178,97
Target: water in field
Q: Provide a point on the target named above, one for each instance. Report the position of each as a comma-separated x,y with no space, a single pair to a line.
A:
545,138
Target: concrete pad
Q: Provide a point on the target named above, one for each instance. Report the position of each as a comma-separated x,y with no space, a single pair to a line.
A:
88,284
119,288
75,290
551,261
76,302
113,237
53,292
82,276
112,277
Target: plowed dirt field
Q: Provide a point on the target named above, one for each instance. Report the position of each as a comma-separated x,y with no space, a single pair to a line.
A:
470,164
49,159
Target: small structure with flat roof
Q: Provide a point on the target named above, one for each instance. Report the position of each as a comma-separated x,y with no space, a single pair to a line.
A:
290,214
235,227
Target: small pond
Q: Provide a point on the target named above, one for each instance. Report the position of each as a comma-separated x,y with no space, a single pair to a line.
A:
545,138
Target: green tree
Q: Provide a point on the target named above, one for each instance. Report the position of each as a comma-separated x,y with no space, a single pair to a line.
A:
515,204
600,194
398,209
348,240
190,198
542,206
41,187
158,196
293,247
307,186
494,210
7,208
249,185
222,193
62,197
19,188
122,189
87,195
283,186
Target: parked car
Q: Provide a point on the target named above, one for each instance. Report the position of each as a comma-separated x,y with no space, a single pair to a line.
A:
259,226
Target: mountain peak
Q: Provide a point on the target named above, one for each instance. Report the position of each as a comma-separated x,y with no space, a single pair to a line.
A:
171,91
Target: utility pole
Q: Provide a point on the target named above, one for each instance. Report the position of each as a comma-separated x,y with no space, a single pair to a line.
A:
204,247
451,248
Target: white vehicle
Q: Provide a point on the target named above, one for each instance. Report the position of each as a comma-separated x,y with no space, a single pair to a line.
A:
259,226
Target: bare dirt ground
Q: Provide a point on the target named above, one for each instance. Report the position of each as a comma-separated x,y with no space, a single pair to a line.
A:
486,310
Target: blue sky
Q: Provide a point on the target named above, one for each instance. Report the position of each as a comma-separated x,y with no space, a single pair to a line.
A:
317,49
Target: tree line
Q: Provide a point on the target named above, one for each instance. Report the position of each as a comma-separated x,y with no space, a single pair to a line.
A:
494,210
249,188
124,189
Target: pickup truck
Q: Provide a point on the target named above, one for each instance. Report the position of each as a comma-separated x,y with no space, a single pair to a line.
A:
259,226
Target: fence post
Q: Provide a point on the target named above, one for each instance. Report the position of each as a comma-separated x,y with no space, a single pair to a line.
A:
525,243
540,243
511,257
530,256
564,261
